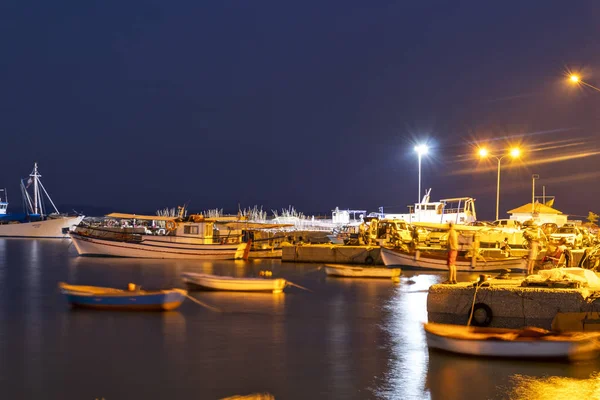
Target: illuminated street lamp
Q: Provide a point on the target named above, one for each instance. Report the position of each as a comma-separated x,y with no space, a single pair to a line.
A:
421,150
575,79
515,152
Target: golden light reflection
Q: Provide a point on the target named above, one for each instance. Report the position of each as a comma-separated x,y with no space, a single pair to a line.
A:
515,152
483,152
555,387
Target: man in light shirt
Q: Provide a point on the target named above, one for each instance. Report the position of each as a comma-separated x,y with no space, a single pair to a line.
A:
452,253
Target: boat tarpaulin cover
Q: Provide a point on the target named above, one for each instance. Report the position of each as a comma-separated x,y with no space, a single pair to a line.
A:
135,216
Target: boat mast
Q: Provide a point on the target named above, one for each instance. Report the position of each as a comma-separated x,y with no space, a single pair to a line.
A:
36,196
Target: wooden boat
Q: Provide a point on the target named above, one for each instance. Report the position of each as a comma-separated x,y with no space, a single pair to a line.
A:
516,343
394,258
229,283
118,299
349,271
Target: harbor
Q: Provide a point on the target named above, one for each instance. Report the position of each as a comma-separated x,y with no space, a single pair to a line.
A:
299,200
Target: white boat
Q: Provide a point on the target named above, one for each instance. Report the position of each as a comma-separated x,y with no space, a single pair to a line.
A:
516,343
35,222
459,210
349,271
229,283
395,258
191,239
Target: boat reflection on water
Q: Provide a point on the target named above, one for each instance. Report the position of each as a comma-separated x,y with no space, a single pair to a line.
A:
244,302
451,377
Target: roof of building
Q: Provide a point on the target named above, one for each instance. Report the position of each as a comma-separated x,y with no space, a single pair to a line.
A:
539,208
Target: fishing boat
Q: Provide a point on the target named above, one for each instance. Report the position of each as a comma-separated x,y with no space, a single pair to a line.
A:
117,299
348,271
526,343
176,237
229,283
35,222
437,260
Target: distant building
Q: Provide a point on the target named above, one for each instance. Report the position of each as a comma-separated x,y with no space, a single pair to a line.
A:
541,214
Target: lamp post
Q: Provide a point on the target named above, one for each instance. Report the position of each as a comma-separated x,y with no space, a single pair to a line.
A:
421,150
514,153
575,79
533,178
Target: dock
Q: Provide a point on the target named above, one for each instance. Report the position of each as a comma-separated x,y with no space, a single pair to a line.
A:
331,253
507,304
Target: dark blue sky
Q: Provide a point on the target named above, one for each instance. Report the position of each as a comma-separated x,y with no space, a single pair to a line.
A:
139,105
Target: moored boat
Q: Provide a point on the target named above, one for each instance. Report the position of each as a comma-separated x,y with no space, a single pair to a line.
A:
182,239
117,299
229,283
348,271
396,257
526,343
35,222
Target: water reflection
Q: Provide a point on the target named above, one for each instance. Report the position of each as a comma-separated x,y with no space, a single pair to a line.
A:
455,377
554,387
33,321
404,324
350,339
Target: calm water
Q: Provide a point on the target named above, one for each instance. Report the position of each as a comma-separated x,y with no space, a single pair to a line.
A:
349,339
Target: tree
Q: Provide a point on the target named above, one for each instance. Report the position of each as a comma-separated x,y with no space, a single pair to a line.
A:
592,217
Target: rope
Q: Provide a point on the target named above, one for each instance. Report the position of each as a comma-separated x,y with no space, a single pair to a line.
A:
477,286
211,308
298,286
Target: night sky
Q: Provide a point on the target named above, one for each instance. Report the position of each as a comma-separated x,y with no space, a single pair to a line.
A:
139,105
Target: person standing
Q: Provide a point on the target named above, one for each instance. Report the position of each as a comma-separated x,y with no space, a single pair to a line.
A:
534,247
452,253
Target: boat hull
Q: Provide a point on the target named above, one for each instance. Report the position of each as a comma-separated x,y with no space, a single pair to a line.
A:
226,283
579,347
155,247
346,271
395,258
163,300
52,228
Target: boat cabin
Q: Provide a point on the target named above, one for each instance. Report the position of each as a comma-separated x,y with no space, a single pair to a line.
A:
459,210
200,231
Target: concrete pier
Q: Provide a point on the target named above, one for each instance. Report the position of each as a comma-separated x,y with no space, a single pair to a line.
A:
334,254
511,305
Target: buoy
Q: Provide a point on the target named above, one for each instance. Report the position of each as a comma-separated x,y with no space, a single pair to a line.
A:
131,287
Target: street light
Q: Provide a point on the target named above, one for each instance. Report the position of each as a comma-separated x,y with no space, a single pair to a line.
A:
514,153
575,79
421,150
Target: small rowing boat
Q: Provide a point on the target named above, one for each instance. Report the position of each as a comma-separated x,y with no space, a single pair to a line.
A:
118,299
526,343
229,283
350,271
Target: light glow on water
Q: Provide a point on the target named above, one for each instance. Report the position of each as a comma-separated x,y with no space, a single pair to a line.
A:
554,387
